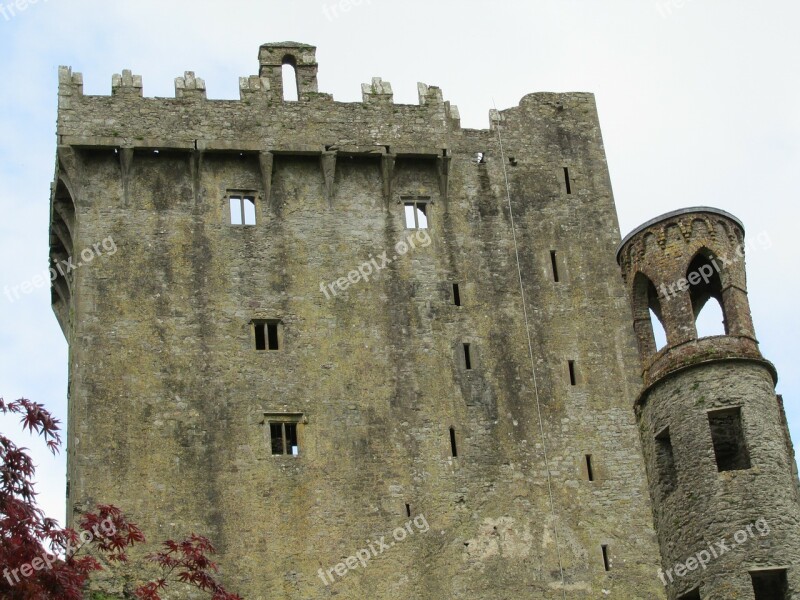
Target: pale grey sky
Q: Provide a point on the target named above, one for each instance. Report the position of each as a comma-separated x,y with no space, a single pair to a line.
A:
697,100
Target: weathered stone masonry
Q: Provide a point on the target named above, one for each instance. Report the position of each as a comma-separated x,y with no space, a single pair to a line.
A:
181,413
713,431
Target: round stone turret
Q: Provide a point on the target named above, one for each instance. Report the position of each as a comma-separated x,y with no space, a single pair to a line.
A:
717,450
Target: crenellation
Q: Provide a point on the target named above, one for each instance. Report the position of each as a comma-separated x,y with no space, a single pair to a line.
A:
429,95
254,87
378,91
190,86
70,87
454,115
126,83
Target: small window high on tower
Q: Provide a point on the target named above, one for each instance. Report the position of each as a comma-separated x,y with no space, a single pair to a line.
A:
416,213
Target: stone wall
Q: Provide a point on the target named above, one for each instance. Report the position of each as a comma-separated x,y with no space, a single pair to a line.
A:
171,403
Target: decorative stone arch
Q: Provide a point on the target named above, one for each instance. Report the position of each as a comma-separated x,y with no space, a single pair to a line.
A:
705,273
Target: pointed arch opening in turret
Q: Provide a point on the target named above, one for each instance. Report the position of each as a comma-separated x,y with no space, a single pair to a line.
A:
648,318
705,292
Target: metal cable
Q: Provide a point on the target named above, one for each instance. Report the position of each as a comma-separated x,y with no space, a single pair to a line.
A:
530,354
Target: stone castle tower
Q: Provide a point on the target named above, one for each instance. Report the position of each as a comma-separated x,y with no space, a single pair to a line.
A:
370,353
714,434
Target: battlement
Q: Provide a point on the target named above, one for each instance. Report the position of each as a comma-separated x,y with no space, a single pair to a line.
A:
128,118
267,85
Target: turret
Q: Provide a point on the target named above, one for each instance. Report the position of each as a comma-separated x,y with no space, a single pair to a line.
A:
721,473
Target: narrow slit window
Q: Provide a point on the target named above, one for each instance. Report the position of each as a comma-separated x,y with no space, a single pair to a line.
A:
727,435
770,584
283,438
416,214
589,467
665,462
243,210
554,263
453,447
573,379
408,510
567,181
456,295
467,357
606,558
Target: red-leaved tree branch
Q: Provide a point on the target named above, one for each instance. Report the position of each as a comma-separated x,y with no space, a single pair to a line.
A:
42,561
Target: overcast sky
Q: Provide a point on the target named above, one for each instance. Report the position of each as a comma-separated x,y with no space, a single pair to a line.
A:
698,101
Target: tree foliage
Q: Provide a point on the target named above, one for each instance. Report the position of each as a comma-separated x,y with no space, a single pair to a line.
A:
43,561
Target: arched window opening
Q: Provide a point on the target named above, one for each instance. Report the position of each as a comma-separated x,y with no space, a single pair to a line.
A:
711,320
659,333
648,316
291,91
705,285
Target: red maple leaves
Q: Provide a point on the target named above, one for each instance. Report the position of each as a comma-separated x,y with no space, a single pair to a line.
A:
42,561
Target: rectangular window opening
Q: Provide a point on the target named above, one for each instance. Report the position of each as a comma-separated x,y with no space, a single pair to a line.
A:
566,180
453,448
267,334
283,438
276,436
770,585
727,435
467,358
249,210
606,559
589,469
573,379
456,295
236,211
693,595
292,447
242,209
272,336
665,462
261,342
554,264
416,214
